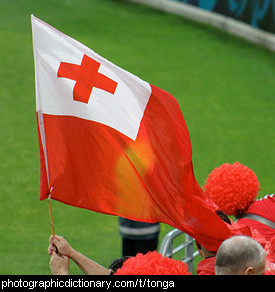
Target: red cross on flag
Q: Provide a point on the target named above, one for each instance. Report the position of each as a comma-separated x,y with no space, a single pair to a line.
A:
113,143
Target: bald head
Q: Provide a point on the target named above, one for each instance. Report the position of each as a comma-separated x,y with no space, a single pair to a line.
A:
240,255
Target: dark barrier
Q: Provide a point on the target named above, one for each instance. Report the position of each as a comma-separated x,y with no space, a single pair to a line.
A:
257,13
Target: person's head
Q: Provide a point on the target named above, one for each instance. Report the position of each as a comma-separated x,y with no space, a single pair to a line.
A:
232,187
117,264
240,255
204,253
152,263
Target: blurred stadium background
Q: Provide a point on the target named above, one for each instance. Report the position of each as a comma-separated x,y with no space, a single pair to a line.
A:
224,84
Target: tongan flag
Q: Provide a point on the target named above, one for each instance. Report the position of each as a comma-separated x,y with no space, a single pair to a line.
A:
113,143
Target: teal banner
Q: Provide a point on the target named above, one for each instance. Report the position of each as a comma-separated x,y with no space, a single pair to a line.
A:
258,13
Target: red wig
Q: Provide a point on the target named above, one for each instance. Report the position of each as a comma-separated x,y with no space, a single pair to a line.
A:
152,263
232,188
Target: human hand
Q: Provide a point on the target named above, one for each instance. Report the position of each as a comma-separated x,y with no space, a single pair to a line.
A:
59,245
59,264
52,248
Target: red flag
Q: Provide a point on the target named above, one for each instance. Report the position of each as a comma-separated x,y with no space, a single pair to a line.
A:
113,143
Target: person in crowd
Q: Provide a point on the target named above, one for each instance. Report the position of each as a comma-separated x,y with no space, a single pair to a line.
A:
138,237
240,255
61,251
207,265
151,263
234,189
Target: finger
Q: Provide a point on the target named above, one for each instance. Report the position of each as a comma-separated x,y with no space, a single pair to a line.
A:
52,237
51,249
57,244
55,241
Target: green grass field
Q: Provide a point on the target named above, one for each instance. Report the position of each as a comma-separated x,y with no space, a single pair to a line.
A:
225,87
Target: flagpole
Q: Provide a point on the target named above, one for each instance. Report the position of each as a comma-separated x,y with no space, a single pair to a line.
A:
51,213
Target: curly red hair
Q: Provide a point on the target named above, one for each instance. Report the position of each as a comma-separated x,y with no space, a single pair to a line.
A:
152,263
232,188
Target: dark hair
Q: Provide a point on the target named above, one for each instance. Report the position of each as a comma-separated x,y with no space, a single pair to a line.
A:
223,216
117,264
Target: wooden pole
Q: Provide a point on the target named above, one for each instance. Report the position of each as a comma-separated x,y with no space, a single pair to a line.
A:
51,215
